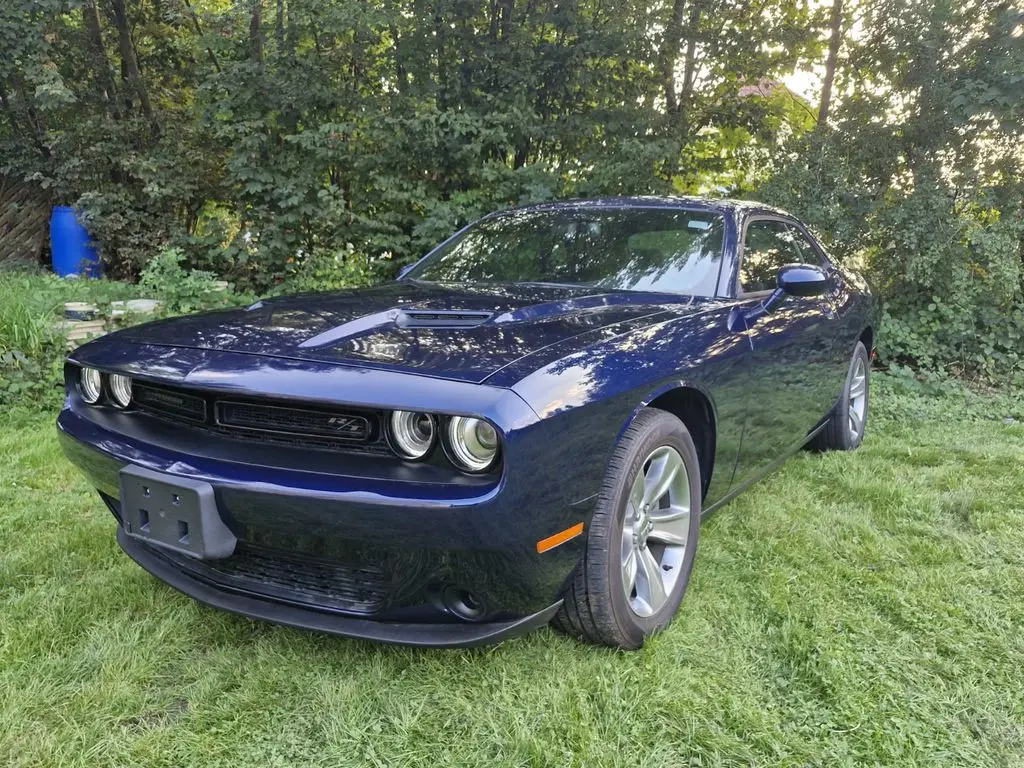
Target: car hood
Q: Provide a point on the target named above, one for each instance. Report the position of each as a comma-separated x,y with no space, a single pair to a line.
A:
460,332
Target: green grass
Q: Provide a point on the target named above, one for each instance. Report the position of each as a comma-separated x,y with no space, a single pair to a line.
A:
31,302
852,609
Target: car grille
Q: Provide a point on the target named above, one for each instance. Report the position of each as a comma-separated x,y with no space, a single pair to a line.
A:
279,423
272,418
169,402
321,584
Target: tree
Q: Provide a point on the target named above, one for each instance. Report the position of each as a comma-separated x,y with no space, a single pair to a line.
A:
834,41
919,176
257,135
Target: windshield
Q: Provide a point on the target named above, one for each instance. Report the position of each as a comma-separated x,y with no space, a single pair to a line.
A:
636,249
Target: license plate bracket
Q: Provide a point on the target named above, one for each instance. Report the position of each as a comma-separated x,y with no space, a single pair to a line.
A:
175,513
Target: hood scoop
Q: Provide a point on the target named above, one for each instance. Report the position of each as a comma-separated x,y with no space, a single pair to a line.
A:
411,318
444,318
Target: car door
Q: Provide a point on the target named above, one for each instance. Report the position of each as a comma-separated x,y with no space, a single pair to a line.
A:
789,380
842,332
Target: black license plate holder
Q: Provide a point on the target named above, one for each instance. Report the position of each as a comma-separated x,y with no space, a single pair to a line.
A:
175,513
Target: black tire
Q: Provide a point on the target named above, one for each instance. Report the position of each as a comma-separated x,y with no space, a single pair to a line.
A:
838,435
596,608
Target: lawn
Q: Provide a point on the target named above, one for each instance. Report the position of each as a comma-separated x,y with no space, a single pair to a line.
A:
852,609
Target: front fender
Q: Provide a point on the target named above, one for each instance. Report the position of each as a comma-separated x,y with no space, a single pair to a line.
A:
588,399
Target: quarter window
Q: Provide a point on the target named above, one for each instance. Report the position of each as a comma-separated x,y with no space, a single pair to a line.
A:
767,247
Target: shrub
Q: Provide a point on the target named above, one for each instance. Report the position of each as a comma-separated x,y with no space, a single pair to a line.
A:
182,290
327,271
31,347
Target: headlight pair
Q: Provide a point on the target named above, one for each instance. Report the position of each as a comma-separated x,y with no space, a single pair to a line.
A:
471,444
90,387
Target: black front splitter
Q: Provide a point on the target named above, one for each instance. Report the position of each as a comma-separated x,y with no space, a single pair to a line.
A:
448,635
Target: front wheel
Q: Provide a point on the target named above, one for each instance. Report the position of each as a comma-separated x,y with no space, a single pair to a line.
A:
642,538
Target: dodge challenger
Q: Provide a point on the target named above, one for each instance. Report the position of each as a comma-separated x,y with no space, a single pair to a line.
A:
525,427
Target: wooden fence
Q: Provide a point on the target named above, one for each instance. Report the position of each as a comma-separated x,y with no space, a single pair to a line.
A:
24,222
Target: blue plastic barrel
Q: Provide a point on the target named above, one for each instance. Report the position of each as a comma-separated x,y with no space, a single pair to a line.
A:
73,253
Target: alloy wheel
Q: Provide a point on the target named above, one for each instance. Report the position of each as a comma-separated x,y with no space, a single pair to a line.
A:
655,531
858,398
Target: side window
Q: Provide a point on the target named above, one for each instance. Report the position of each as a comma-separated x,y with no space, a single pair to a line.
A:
767,247
809,254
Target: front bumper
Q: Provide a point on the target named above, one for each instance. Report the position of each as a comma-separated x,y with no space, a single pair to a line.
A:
418,548
429,635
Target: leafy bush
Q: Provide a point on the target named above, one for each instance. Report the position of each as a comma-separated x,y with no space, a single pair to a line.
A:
182,290
907,397
946,259
33,382
26,319
30,345
327,271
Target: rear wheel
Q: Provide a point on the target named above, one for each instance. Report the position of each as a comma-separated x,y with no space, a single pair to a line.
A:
642,539
845,428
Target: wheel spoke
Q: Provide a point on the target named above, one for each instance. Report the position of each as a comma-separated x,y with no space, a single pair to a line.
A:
649,585
857,387
636,493
672,526
856,424
659,477
629,569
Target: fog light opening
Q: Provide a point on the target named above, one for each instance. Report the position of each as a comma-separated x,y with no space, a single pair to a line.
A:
463,603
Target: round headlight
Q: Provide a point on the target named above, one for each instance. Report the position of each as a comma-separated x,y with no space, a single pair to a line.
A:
90,385
120,390
473,443
412,434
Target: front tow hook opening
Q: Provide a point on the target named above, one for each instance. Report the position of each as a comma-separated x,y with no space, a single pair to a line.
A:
463,603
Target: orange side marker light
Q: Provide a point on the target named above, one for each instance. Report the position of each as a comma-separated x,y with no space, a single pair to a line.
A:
559,538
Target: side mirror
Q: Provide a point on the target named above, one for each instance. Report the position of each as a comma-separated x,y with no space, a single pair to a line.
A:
802,280
796,280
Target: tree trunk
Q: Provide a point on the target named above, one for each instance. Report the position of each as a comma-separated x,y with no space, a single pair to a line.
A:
94,35
835,39
401,73
199,31
34,121
493,25
279,26
129,60
440,39
522,155
256,32
690,62
505,8
670,53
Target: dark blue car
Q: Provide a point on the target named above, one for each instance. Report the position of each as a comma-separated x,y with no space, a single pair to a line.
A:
525,427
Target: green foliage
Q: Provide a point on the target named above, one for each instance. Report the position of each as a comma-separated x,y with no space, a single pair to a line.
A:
31,382
181,290
30,345
33,344
919,180
323,271
247,136
252,133
909,397
26,320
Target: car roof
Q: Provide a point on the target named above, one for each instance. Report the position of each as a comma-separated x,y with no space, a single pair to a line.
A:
715,205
